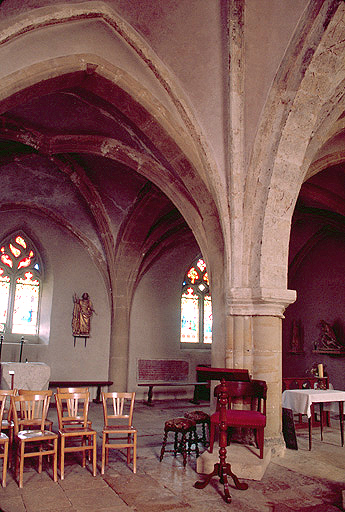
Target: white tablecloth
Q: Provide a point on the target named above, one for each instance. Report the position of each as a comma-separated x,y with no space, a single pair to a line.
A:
300,400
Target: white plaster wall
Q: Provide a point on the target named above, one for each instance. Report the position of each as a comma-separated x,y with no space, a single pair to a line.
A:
69,270
155,321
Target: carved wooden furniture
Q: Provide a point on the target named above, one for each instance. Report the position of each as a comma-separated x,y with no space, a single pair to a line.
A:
180,427
35,441
253,417
301,401
222,469
203,419
118,431
207,373
4,440
308,383
74,432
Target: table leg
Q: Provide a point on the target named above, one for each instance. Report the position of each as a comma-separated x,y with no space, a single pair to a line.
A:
149,396
341,419
310,430
321,418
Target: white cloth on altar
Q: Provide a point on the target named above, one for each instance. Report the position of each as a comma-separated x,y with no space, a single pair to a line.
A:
300,400
33,376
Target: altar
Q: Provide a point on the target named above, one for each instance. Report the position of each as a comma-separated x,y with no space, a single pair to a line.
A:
26,375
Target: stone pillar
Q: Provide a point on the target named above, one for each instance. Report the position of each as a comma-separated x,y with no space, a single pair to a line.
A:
254,341
118,356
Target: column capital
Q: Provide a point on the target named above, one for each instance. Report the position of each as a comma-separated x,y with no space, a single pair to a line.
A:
259,301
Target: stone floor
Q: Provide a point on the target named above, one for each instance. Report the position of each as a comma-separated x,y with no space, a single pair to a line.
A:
300,481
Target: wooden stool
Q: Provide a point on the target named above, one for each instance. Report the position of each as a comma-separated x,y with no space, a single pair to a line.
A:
182,426
200,418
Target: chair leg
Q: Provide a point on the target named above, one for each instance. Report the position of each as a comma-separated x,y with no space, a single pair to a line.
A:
134,452
104,438
260,441
83,443
21,463
94,455
40,457
55,442
128,449
62,458
4,468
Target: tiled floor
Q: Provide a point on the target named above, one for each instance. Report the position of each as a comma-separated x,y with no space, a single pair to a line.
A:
301,481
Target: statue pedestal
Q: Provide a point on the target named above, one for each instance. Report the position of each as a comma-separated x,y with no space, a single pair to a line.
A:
34,376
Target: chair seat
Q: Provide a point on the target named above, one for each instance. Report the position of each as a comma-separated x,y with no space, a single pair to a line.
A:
7,424
118,429
77,431
241,418
30,434
3,437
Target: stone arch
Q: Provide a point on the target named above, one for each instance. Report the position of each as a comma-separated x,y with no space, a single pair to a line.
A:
303,113
186,155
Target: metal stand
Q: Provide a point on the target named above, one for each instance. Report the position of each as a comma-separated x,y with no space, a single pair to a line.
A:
21,348
85,338
222,469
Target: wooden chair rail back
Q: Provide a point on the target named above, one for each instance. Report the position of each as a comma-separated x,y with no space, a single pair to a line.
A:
7,393
72,407
253,392
30,409
118,406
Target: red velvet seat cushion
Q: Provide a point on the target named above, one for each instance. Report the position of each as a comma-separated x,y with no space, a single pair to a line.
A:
242,418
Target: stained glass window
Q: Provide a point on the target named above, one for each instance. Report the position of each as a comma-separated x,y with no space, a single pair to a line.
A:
20,285
196,306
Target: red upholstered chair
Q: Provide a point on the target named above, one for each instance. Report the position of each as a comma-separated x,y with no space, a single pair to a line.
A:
253,413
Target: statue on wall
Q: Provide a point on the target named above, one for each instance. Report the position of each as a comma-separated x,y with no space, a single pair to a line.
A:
296,346
328,339
82,313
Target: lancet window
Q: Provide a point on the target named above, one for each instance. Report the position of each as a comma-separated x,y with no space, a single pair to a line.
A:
20,285
196,306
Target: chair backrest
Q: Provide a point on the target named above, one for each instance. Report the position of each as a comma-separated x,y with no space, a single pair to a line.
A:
72,407
3,399
7,393
31,409
46,392
118,408
72,390
254,391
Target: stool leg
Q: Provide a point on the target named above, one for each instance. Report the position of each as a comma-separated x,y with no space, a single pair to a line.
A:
163,445
184,449
175,444
196,442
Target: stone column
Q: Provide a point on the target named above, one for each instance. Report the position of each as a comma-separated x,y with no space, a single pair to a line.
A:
254,341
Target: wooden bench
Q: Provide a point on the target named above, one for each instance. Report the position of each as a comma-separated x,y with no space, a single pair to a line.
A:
151,385
82,383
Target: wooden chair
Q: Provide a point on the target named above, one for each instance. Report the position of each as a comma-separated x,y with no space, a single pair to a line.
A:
255,417
48,424
72,410
4,440
7,423
31,410
118,431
